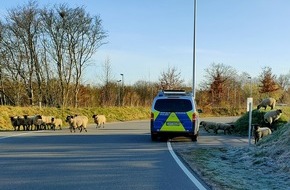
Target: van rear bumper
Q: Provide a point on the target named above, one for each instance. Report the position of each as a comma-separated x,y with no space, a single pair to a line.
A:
172,134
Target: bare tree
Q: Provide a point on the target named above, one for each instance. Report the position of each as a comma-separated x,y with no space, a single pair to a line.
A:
109,88
84,36
74,38
21,47
54,24
170,79
284,82
2,89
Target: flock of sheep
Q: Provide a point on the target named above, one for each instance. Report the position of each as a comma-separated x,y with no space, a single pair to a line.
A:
258,131
270,117
215,127
42,122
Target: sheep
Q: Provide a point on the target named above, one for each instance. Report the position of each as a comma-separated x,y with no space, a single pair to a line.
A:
77,122
267,102
28,122
99,120
38,122
225,127
47,121
56,123
271,116
15,122
209,125
260,132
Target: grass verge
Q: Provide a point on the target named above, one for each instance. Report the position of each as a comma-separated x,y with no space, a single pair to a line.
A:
261,166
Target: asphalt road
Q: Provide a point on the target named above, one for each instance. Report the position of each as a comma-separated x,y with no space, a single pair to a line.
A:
206,139
211,139
120,156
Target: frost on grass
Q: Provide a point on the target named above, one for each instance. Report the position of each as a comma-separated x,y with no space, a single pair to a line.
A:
262,166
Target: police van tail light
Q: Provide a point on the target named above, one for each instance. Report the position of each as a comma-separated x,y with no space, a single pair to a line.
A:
152,119
152,116
194,116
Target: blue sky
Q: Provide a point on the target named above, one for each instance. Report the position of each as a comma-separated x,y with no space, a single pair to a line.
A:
148,36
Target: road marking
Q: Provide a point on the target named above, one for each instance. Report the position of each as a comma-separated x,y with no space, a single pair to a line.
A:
13,135
20,134
185,170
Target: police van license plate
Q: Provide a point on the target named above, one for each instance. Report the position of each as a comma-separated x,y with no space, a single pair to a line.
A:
172,123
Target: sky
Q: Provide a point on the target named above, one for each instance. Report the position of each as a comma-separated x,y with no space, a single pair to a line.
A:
146,37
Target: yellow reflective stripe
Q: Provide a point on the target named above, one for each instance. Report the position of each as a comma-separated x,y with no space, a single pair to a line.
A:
172,128
189,114
156,113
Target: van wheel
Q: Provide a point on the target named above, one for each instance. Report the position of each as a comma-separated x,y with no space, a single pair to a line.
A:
154,137
194,138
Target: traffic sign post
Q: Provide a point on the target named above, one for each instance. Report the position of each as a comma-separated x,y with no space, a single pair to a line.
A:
249,109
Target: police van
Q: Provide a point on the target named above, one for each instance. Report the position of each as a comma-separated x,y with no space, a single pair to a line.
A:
173,114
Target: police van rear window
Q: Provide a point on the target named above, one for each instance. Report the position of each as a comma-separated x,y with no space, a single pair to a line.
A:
173,105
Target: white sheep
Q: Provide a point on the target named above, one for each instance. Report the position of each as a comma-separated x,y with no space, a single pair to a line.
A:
260,132
77,122
56,123
100,120
38,122
272,116
47,121
209,125
267,102
227,128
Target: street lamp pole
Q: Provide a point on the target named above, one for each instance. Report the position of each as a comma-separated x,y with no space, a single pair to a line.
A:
250,108
122,95
194,52
119,93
